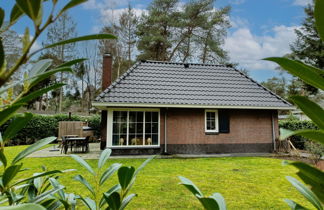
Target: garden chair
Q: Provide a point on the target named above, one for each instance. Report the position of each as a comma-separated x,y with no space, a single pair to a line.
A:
85,147
64,145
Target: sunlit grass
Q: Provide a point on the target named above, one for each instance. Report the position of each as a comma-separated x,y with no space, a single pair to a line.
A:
245,182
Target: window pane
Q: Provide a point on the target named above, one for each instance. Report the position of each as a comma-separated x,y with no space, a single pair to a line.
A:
139,127
212,125
155,139
148,116
132,127
155,117
139,117
115,140
155,128
211,116
148,128
123,128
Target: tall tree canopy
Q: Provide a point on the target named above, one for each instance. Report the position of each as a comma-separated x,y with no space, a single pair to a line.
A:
308,47
194,31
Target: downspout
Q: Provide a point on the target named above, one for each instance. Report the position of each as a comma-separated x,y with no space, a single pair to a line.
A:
273,132
165,131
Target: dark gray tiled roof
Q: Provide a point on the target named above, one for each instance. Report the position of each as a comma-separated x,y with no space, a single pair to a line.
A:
153,82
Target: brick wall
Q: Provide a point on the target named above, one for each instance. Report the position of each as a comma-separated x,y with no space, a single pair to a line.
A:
250,131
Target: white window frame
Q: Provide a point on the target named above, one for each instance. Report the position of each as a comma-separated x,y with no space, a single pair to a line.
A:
110,128
216,130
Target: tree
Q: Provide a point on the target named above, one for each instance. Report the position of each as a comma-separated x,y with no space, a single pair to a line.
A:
64,28
308,47
193,32
126,31
276,85
155,30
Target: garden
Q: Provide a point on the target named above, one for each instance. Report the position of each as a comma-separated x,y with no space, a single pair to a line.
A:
245,182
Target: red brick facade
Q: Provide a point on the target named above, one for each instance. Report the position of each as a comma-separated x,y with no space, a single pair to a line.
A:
250,131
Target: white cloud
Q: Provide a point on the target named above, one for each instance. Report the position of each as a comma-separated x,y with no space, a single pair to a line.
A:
109,16
110,10
238,22
237,2
302,2
248,49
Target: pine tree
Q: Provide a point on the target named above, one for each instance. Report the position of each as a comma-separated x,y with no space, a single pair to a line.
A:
156,30
308,47
195,31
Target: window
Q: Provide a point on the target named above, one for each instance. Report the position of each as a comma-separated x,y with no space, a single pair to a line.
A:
135,128
211,121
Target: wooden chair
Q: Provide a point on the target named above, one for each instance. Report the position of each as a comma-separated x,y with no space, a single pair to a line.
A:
64,145
85,146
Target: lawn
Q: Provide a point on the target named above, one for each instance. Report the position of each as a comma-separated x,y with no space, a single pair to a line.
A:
245,182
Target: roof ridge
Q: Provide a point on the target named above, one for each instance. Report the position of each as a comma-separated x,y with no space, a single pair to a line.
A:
272,93
182,63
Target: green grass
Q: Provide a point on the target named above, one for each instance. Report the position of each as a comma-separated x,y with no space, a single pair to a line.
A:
245,182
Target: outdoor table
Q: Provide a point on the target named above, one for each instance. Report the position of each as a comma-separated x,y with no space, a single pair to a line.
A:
71,140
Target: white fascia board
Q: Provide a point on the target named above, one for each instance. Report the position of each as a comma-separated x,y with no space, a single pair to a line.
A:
105,105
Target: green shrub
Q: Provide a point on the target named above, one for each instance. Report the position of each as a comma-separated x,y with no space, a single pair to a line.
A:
42,126
293,125
316,149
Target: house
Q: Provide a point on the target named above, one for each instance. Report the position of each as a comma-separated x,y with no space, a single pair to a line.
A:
163,107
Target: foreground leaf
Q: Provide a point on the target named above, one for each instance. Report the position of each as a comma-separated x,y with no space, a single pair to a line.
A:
32,148
2,15
104,157
27,206
109,172
319,17
82,38
8,112
30,7
83,163
312,177
71,4
307,193
311,109
15,14
113,201
293,205
125,176
9,174
143,165
16,125
85,183
300,70
316,135
190,186
126,201
39,93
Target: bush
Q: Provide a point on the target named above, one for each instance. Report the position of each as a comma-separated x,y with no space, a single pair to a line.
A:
316,149
298,141
42,126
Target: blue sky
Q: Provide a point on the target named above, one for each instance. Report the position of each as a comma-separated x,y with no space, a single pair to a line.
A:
260,28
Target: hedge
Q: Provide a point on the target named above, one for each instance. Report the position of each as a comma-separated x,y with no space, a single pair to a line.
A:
41,126
293,125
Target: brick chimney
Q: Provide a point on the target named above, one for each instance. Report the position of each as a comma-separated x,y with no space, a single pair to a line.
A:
106,71
106,81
